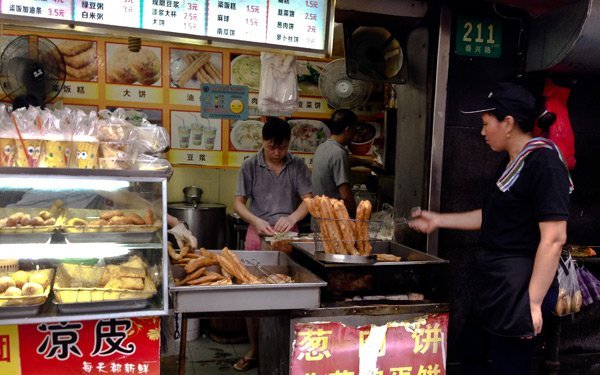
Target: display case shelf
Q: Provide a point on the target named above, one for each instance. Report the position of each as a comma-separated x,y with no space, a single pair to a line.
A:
104,230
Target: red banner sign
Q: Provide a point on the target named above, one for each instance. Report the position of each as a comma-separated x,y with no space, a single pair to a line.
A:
110,346
416,347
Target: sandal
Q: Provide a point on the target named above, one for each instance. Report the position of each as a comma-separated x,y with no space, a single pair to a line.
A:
245,364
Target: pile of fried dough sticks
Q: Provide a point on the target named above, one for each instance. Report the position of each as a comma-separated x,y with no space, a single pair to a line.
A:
339,233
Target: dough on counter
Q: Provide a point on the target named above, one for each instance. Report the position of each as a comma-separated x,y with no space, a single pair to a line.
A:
145,66
5,283
32,289
20,278
13,291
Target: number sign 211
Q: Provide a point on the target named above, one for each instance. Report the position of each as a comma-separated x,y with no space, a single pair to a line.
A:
478,37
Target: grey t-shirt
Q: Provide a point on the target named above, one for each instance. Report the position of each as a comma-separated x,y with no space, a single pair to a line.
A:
331,168
273,196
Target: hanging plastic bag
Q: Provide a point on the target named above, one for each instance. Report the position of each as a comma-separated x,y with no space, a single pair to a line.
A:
590,286
569,292
561,131
278,94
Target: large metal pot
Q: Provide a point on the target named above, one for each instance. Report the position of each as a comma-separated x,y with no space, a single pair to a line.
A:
206,221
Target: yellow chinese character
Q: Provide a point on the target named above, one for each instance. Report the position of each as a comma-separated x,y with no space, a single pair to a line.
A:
343,372
400,370
314,345
426,337
430,370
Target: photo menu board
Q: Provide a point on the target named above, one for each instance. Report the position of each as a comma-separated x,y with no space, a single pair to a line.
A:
297,24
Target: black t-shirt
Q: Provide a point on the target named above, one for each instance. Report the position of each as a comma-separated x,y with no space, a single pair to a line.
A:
541,193
510,236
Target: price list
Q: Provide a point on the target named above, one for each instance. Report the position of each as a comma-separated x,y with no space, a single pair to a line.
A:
124,13
292,23
297,23
185,17
237,19
54,9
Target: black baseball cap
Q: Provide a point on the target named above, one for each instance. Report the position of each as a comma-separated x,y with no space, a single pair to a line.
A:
509,99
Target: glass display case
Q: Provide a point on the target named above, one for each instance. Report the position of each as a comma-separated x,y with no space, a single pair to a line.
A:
82,244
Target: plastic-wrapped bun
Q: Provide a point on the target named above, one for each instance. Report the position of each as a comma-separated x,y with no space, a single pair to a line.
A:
40,278
32,289
5,283
20,278
13,291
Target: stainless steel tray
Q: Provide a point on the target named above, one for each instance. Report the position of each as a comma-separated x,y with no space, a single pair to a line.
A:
20,311
408,255
21,237
303,293
340,258
100,307
121,237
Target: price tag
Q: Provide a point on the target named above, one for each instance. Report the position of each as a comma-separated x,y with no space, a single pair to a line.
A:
54,9
238,20
124,13
185,17
478,37
297,23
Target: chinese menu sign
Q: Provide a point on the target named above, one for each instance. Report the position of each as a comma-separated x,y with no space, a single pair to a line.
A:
110,346
299,24
399,348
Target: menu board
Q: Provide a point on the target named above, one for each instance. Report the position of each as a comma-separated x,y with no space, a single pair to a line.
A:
297,24
184,17
54,9
237,19
124,13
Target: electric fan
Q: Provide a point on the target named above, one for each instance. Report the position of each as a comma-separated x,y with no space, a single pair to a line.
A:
341,91
32,65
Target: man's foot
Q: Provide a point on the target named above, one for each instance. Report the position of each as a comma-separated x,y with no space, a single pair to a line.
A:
245,364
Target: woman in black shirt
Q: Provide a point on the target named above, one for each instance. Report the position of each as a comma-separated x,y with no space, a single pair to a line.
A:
523,226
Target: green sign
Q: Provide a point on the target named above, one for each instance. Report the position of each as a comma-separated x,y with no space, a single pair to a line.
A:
478,37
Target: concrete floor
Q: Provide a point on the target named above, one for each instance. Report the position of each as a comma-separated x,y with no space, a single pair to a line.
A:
203,356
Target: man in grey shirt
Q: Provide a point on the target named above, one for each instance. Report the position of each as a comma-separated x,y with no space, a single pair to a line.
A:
276,182
332,162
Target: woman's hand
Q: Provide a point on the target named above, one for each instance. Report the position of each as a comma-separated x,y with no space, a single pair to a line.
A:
536,318
284,224
424,221
263,227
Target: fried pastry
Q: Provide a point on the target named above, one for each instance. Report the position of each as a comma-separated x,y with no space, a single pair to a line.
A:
119,70
5,283
145,66
32,289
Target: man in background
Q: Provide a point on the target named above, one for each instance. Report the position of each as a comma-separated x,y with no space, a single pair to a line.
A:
332,161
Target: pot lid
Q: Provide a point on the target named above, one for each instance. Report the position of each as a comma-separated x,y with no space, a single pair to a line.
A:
201,206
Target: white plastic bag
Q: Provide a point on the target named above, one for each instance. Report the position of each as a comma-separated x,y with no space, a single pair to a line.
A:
569,292
278,94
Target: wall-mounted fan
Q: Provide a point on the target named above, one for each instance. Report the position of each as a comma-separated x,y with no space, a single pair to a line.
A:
375,54
341,91
32,65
